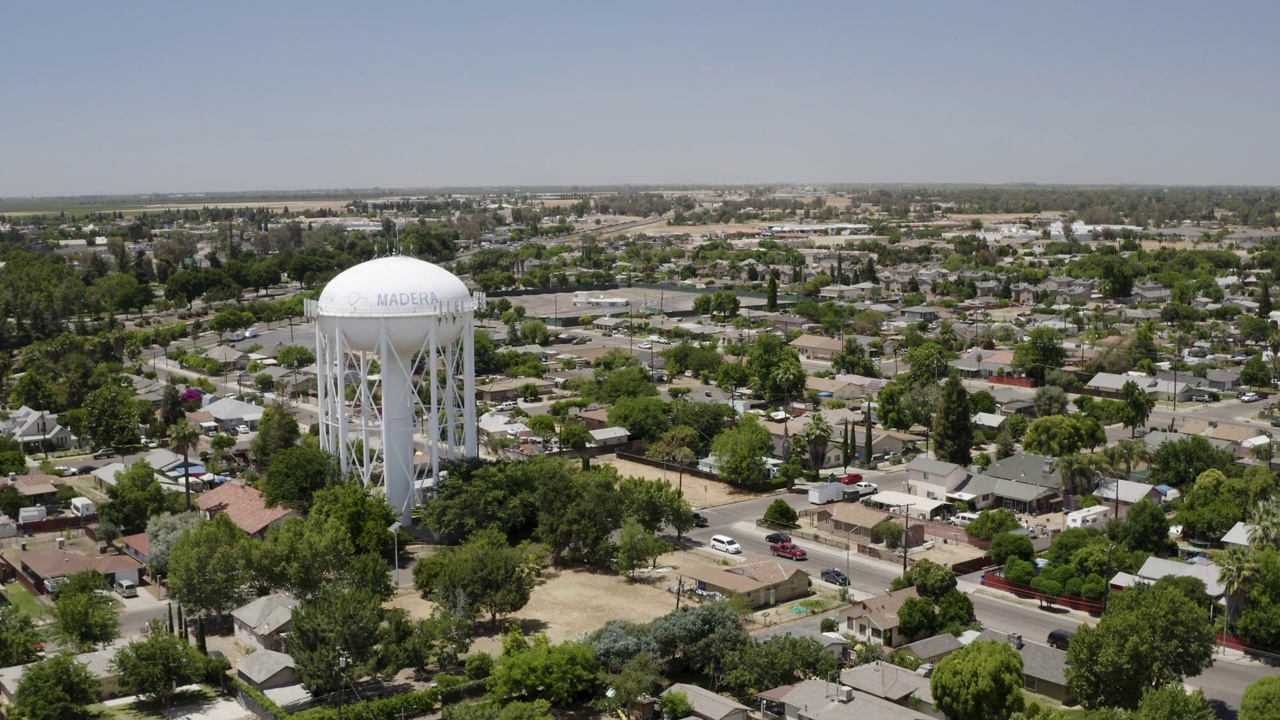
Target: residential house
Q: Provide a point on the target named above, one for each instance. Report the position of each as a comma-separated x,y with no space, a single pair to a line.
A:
244,506
46,569
231,414
1028,469
594,419
493,425
37,430
934,479
932,649
610,324
609,437
817,347
99,663
1151,292
764,582
983,363
137,547
509,389
35,489
229,357
820,700
265,622
267,669
875,619
1155,568
1044,669
708,705
917,313
989,421
1225,379
1238,535
830,387
1121,495
1112,385
857,523
894,684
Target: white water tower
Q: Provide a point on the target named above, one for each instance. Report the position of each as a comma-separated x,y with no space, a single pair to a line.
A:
396,359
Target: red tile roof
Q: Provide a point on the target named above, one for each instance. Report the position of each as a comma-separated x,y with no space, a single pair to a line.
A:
243,505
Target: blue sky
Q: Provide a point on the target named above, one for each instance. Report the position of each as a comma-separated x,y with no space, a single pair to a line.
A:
182,97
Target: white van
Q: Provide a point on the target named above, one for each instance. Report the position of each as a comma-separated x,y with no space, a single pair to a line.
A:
964,518
506,406
126,588
724,543
251,332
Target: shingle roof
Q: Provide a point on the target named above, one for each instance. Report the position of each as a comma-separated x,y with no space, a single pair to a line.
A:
266,614
882,609
706,703
244,505
1038,661
890,682
263,664
933,647
934,467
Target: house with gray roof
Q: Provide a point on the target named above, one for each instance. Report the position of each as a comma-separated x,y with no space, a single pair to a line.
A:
933,649
268,669
934,479
819,700
1123,494
708,705
894,684
1044,669
265,622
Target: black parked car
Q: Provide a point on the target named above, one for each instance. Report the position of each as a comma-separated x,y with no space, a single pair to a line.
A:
699,521
835,577
777,538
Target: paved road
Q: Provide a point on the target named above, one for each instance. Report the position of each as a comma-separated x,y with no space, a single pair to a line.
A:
1224,682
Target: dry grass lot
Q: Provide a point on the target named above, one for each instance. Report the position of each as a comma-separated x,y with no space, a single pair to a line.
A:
568,604
701,493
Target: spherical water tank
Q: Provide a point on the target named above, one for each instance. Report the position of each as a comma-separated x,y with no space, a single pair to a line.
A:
403,294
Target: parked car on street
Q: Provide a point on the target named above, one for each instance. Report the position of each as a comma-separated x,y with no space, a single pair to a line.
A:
104,453
788,550
1201,398
851,478
865,488
1249,397
835,577
777,538
700,520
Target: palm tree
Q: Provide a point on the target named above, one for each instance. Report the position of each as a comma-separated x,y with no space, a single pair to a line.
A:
1126,453
1265,519
815,438
1237,568
183,436
1077,472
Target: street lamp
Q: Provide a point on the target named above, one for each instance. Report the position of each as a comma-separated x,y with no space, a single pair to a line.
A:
394,528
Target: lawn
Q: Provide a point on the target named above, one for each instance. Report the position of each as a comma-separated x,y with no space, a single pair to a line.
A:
1044,702
143,710
22,599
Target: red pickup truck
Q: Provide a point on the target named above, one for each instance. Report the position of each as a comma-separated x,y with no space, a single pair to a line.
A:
788,550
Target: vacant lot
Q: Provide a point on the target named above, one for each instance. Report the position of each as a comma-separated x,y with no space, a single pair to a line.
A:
701,493
571,603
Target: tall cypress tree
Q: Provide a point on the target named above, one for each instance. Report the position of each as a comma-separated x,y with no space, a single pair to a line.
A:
867,441
952,428
1264,298
201,644
771,303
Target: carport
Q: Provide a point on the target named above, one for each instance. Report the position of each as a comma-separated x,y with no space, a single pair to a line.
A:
921,508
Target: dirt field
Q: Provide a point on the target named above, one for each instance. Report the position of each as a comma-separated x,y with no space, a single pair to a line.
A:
571,603
701,493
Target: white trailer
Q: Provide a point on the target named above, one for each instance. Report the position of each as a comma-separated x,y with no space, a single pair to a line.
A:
83,507
829,493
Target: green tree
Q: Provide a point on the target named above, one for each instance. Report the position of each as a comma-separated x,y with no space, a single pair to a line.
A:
1173,702
655,504
695,639
930,579
56,688
1262,700
955,612
163,531
771,300
676,705
853,359
538,670
18,637
637,547
295,356
991,523
1178,463
576,519
183,437
1040,353
917,618
110,419
928,363
781,660
1059,435
277,430
136,496
982,681
341,623
229,320
1149,637
640,676
296,474
645,418
952,430
490,576
1007,545
1255,373
156,666
303,556
1050,400
207,566
740,452
1264,299
84,619
365,517
1146,529
780,511
1137,406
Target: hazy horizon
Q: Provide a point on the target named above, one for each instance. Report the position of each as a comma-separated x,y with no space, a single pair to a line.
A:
153,98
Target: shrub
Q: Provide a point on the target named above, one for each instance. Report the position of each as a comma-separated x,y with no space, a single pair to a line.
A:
1007,545
829,625
991,523
890,532
781,512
